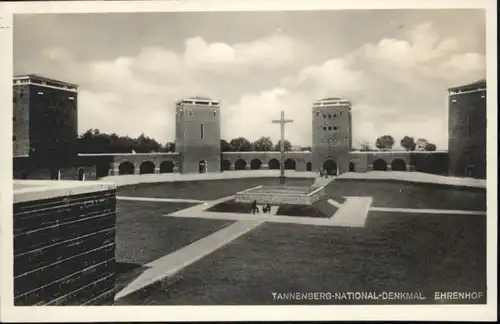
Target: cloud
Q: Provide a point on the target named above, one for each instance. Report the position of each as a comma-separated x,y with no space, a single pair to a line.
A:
397,85
274,51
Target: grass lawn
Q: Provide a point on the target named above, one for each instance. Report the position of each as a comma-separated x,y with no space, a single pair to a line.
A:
143,234
394,252
203,189
409,195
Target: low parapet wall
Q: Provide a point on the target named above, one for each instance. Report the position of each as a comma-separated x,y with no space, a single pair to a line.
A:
64,243
283,196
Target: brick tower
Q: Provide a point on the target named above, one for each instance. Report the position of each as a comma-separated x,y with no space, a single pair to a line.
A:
45,116
197,135
467,130
332,135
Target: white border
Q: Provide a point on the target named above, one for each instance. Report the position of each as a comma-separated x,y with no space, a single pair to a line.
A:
224,313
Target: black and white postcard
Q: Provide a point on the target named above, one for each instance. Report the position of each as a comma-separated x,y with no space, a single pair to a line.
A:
326,160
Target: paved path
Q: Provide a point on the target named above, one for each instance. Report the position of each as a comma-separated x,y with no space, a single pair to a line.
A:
315,221
174,200
195,211
123,180
173,263
415,177
429,211
353,212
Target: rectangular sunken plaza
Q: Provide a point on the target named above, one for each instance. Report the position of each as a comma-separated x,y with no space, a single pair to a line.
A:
281,195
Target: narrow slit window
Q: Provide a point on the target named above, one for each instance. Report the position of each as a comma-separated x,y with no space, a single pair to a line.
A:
202,131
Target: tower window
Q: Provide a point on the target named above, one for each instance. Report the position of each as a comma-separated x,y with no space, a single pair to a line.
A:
324,116
330,116
14,137
329,127
14,100
334,115
317,113
202,131
324,128
214,112
335,128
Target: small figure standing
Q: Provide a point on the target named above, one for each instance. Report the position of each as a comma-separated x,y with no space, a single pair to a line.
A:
268,208
254,206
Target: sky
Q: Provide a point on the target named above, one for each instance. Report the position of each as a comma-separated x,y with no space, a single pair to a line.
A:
395,66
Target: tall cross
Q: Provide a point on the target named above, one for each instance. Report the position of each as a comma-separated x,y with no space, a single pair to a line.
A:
282,121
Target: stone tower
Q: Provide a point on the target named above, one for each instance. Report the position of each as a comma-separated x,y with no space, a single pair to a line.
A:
467,130
197,135
332,135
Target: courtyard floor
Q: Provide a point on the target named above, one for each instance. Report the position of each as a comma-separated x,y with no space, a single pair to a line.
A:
175,252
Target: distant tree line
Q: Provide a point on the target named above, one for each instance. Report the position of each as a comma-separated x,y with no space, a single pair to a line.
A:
264,143
386,142
93,141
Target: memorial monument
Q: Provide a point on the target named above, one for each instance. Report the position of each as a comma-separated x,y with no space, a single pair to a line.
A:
282,194
282,121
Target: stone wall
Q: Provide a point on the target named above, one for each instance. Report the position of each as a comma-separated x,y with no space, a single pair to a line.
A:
65,173
300,161
64,243
160,162
272,197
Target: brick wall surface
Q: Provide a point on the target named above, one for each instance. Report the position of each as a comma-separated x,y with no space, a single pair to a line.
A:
64,250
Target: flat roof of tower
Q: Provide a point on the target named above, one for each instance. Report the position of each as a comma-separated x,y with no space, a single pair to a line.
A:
202,99
470,86
34,76
332,101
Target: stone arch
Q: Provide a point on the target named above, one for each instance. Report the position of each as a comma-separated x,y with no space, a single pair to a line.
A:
55,174
331,167
290,164
126,168
102,169
240,164
380,165
309,166
147,167
274,164
225,164
81,174
167,167
255,164
352,167
398,165
202,166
